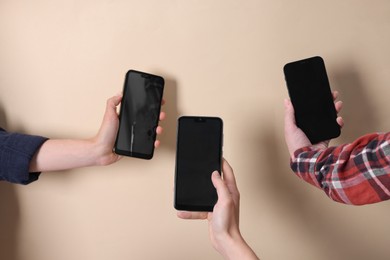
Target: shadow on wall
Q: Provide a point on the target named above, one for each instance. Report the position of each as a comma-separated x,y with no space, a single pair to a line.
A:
358,113
9,213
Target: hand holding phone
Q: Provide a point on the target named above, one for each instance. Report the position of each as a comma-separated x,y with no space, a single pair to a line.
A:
198,154
311,96
139,114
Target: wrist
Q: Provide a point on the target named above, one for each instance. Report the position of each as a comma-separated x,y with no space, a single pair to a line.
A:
233,246
101,153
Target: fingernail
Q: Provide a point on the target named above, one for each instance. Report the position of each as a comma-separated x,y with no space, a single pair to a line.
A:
216,174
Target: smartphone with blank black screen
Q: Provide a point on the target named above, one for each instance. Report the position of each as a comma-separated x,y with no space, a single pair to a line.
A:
139,114
198,154
311,96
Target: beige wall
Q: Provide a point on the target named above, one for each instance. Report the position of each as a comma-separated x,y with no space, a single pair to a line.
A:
61,59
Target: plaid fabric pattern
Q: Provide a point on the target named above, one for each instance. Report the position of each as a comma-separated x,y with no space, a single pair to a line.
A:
356,173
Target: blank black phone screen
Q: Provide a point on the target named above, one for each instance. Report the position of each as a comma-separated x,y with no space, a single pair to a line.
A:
312,99
198,154
139,114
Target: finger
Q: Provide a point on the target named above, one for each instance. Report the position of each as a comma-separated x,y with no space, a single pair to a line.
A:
289,117
335,94
162,116
338,105
220,186
159,130
228,176
191,215
340,121
288,107
157,143
114,101
163,102
229,189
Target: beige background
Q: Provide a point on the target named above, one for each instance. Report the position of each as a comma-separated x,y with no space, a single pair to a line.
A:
61,59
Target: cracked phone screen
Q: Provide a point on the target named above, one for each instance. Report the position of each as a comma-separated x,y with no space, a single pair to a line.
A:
139,114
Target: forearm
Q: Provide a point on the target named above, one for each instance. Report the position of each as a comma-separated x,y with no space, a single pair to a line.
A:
55,155
356,173
235,247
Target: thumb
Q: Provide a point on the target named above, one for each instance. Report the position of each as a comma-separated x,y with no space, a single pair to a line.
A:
220,186
289,117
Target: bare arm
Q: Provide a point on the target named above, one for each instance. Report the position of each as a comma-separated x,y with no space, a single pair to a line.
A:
62,154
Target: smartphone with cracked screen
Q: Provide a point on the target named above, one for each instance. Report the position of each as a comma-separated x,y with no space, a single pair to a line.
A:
139,114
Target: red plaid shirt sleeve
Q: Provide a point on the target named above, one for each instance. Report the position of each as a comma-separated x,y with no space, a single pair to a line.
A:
356,173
